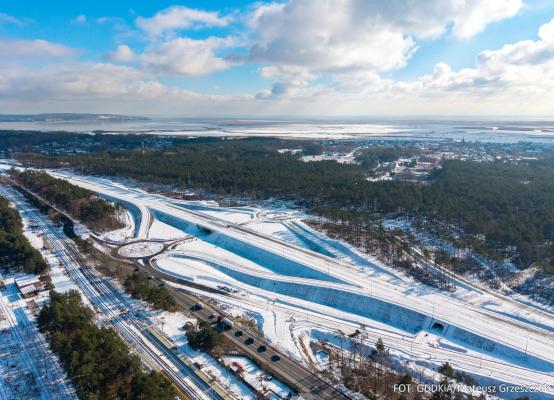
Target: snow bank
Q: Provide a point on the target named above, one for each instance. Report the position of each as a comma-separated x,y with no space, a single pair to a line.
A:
35,240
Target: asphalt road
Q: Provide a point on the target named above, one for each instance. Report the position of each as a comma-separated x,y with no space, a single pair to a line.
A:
295,375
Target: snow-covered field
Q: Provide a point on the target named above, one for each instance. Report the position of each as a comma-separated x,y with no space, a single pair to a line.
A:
140,249
296,282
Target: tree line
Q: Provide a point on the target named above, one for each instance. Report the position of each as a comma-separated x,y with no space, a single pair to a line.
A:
15,250
96,360
140,287
82,204
496,205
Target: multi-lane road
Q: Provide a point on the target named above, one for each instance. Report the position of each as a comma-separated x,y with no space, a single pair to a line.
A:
115,309
518,337
524,337
415,348
274,361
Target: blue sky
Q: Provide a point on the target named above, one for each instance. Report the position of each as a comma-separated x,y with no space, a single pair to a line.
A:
461,53
297,57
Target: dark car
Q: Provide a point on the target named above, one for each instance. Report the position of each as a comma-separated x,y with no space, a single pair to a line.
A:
211,316
262,348
249,341
275,357
238,333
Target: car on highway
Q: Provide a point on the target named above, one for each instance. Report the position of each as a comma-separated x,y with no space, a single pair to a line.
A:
238,333
225,323
262,348
249,341
275,357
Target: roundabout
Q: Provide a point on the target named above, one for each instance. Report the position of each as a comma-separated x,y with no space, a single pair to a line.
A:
140,249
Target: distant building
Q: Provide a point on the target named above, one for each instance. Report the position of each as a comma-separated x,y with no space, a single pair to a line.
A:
29,286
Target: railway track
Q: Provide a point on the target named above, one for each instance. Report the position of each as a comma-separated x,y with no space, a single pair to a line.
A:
113,306
116,310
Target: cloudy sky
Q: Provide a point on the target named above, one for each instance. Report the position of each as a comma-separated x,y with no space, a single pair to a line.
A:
286,58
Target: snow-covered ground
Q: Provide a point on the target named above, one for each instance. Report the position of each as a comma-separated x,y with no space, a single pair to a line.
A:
256,378
160,231
140,249
28,369
125,233
172,326
34,239
340,158
294,280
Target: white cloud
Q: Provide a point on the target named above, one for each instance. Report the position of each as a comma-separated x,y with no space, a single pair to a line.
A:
184,56
430,18
123,53
515,79
332,36
524,67
65,81
14,49
179,56
288,80
336,35
100,87
178,18
325,36
107,20
80,19
287,72
5,18
169,54
319,57
475,15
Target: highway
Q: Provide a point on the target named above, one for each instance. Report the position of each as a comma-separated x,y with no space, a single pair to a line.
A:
501,328
531,339
291,372
417,349
414,347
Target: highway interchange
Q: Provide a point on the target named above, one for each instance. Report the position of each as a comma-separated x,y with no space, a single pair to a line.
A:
126,318
530,338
